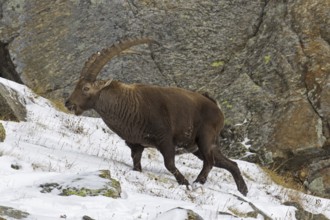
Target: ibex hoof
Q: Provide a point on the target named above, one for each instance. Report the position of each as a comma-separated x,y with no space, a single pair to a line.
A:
139,169
183,182
243,189
200,180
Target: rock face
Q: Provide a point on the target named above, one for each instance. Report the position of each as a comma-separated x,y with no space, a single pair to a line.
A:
265,61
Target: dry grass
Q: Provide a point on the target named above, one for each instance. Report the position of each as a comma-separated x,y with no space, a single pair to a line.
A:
284,179
59,105
75,126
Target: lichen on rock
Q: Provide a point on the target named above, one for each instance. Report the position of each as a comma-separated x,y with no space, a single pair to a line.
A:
97,183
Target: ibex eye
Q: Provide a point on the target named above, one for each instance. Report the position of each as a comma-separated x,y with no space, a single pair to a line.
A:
85,89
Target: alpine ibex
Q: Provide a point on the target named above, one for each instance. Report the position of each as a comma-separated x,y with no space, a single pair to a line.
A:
154,116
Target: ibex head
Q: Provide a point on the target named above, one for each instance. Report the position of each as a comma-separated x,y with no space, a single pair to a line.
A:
84,95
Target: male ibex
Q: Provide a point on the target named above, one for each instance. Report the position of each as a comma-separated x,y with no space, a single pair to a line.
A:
147,115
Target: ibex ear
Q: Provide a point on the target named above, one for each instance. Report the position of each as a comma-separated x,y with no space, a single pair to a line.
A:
99,85
107,83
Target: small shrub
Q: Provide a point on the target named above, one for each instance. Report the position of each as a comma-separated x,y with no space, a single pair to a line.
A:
74,126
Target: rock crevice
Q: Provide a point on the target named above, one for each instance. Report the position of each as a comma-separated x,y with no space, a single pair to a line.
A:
7,68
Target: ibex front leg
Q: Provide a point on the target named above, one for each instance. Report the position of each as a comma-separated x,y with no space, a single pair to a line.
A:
136,154
168,152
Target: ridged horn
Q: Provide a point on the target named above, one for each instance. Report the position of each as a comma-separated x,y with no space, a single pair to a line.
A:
98,60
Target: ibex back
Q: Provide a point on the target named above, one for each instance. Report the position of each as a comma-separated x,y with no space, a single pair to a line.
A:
154,116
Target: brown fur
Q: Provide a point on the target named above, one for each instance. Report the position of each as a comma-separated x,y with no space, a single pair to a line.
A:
160,117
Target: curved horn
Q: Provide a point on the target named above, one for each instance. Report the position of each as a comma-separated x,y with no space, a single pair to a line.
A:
97,61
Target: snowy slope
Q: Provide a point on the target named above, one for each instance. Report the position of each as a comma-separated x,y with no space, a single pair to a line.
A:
52,144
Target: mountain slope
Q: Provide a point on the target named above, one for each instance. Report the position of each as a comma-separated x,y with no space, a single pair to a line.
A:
53,144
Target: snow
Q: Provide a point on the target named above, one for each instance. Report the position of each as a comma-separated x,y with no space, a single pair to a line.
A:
173,214
52,144
245,143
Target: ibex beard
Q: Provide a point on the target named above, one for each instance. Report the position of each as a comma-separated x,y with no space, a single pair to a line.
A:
148,115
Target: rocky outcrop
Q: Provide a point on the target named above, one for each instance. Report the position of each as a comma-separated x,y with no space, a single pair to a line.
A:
8,212
266,62
180,214
303,214
2,133
11,107
97,183
285,87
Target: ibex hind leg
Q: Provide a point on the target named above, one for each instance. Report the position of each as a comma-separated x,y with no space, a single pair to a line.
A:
205,153
223,162
136,154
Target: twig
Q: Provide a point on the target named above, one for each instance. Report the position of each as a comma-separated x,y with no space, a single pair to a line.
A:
255,208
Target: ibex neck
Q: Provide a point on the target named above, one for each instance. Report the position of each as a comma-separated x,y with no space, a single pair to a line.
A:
111,97
118,105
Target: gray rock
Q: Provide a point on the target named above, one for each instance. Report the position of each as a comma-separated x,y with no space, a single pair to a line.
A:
317,177
11,105
194,36
12,213
16,166
317,185
85,217
279,84
85,184
2,133
187,214
303,214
